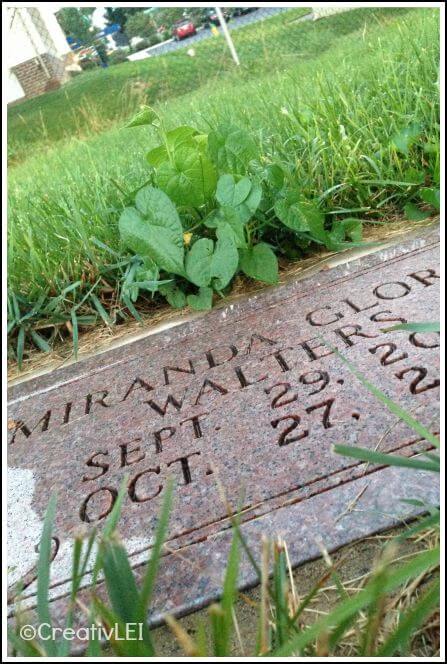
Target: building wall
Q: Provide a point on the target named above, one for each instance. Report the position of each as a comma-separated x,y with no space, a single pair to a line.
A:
14,89
36,76
36,52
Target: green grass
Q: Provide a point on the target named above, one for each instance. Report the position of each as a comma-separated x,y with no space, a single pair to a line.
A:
102,97
327,99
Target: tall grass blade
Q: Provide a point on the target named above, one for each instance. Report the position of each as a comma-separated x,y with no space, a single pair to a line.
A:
43,573
229,595
152,567
397,643
23,647
40,342
386,459
119,578
75,332
393,407
420,563
20,346
100,309
280,594
415,327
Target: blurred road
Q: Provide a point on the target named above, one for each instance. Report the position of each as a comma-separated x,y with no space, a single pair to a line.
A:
205,33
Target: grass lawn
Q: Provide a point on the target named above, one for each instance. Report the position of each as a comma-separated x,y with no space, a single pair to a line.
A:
101,98
348,104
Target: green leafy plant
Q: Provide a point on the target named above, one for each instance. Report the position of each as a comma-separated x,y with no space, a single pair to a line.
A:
412,139
213,190
295,117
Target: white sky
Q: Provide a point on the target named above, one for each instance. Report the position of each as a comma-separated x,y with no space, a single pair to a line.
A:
98,17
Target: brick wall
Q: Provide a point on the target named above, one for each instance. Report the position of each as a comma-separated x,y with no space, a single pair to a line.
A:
34,79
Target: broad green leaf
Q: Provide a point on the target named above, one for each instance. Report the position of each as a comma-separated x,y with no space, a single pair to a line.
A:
300,215
413,213
405,138
336,236
232,193
351,228
259,262
228,218
202,301
225,259
241,145
243,196
205,261
182,136
189,179
174,295
157,156
201,140
231,148
275,176
198,262
147,116
431,196
154,229
248,207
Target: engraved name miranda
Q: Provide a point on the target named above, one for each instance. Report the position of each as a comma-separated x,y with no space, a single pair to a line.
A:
310,349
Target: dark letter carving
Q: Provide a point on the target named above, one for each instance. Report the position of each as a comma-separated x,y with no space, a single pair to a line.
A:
95,464
132,489
404,289
112,495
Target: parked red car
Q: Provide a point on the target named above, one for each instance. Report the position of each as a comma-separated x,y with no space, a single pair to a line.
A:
183,29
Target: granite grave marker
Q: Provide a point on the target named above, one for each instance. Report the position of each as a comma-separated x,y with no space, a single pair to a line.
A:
248,400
